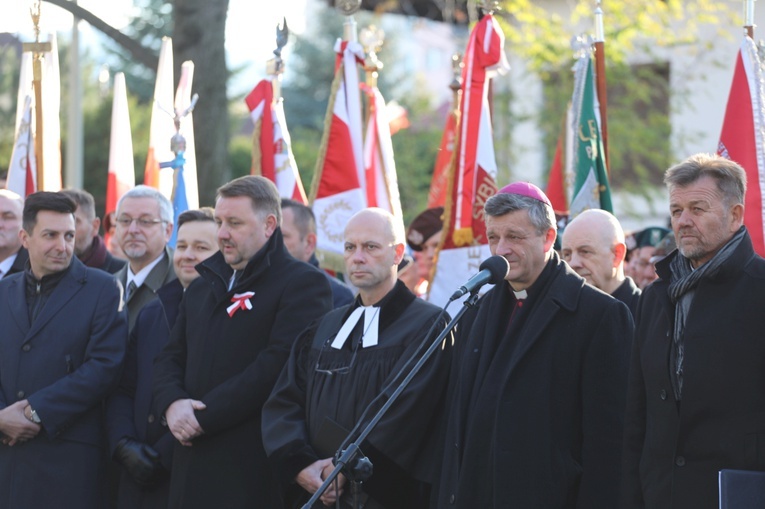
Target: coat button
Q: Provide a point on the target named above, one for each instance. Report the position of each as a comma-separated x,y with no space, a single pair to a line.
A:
680,461
20,394
451,499
26,348
663,395
151,418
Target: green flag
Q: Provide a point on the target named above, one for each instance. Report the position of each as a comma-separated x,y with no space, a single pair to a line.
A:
591,190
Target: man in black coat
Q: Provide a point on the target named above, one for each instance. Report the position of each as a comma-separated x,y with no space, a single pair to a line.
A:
593,245
13,256
696,400
539,377
61,352
89,246
299,233
327,385
138,440
233,334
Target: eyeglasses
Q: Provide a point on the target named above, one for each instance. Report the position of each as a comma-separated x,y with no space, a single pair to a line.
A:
343,370
141,222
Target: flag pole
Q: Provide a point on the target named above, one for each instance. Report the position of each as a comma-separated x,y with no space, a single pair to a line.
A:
38,49
749,18
600,73
275,66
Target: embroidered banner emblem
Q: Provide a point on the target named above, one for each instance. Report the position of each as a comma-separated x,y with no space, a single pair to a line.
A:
240,301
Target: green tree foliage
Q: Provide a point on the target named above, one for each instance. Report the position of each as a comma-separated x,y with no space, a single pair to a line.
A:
638,95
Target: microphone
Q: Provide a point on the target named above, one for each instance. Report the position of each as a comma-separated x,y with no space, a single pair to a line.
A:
493,270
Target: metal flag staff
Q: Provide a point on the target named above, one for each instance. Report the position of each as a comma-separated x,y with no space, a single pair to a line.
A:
178,146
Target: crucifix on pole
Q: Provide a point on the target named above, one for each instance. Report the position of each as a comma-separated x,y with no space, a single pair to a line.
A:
38,50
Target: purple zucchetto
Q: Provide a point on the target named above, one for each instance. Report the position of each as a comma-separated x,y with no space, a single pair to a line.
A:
526,189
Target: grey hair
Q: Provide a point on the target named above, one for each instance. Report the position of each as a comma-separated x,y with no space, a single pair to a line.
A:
541,215
165,207
729,175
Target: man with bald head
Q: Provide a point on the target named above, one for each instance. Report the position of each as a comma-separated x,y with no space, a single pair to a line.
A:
342,362
593,245
13,256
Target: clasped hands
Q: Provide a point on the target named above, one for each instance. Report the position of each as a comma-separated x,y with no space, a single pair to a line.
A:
312,477
15,426
182,421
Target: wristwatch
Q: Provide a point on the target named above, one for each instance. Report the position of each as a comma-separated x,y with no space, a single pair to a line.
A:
33,416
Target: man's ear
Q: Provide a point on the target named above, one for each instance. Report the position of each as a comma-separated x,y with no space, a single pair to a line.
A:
550,236
271,225
310,240
400,248
620,251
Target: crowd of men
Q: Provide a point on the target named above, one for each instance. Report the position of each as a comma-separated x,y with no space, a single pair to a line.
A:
228,371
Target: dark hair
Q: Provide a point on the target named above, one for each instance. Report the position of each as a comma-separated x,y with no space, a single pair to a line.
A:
261,192
305,220
83,199
541,215
43,200
201,215
730,177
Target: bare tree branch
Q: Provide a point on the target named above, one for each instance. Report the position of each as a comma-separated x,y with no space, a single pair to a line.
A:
140,53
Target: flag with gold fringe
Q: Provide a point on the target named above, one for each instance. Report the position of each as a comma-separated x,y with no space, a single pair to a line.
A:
473,175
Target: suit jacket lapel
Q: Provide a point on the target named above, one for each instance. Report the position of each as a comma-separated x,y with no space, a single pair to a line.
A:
18,304
64,292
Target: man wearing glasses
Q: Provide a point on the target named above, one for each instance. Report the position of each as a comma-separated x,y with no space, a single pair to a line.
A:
342,364
144,225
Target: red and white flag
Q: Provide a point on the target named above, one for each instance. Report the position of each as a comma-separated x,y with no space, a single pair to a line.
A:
22,172
121,177
162,127
338,189
463,243
272,149
381,178
743,136
51,129
440,181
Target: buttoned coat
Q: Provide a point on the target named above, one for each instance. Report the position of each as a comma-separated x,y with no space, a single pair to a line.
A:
159,276
65,363
229,355
673,452
559,401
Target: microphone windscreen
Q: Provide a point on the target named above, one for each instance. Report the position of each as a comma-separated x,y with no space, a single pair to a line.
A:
498,267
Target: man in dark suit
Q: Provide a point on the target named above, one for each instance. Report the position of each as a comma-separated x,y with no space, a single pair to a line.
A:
89,246
696,400
236,325
61,352
299,233
13,256
593,245
140,443
144,225
540,377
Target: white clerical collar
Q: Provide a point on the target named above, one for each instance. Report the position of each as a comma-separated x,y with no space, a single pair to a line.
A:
520,295
370,333
5,265
143,273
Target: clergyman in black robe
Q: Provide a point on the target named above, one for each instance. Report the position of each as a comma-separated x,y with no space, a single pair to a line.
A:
335,372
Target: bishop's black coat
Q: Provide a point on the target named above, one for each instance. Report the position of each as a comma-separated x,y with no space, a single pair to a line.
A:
536,413
231,364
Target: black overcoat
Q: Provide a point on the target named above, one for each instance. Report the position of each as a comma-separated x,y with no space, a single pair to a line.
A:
672,455
65,364
231,364
558,400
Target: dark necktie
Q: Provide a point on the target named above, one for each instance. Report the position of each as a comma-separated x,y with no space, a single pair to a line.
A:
131,288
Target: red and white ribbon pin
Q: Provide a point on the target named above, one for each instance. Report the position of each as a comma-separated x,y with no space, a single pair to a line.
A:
240,301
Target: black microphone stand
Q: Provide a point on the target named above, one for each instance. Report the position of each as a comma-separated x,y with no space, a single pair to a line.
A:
359,468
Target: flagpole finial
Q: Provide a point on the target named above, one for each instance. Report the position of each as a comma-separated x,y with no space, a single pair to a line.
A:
275,66
371,39
489,6
34,11
457,66
599,31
